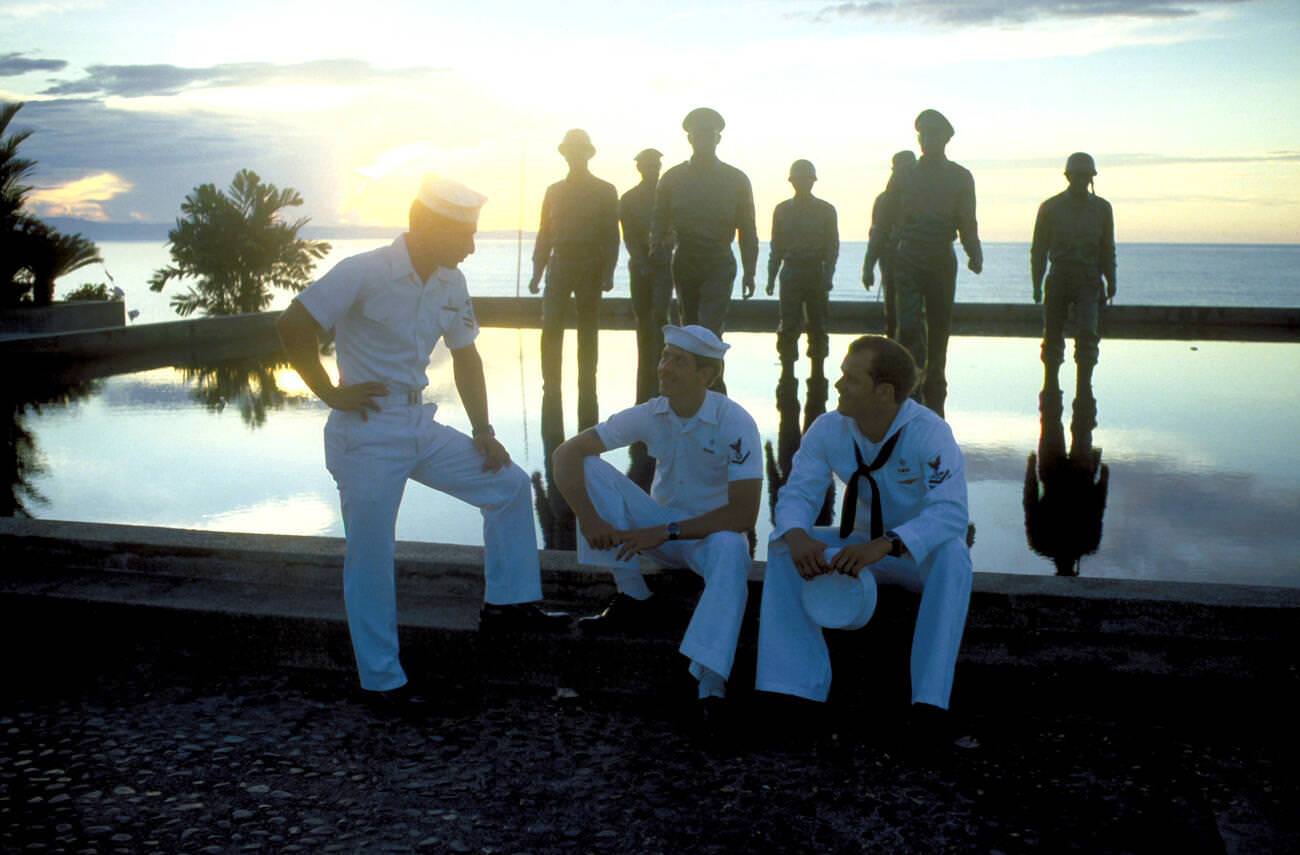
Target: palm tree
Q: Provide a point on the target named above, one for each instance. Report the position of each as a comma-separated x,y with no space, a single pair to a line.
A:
52,255
13,195
237,247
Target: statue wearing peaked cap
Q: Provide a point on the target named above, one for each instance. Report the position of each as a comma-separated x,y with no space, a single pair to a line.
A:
700,208
935,206
649,273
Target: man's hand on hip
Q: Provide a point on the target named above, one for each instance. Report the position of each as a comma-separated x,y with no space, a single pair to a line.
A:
495,456
357,397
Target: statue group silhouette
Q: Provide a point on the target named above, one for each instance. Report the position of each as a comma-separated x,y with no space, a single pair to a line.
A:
678,231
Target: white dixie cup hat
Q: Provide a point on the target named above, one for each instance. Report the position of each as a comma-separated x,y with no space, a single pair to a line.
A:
838,600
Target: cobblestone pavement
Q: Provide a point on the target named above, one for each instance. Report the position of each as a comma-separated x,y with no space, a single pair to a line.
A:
158,760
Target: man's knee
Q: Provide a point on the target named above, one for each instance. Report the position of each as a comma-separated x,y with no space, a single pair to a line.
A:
950,563
728,553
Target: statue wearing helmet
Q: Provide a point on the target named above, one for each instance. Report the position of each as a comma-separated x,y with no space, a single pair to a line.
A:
805,246
1075,234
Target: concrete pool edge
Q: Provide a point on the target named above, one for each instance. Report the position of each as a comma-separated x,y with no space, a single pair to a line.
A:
256,597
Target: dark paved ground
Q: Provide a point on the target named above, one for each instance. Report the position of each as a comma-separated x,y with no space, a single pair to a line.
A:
159,759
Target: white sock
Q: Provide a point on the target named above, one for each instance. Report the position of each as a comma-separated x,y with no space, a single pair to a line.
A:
712,684
631,582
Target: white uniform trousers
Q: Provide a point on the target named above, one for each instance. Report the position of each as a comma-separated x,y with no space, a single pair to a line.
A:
371,461
722,559
792,654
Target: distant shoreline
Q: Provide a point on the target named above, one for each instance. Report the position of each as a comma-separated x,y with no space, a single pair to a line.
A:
157,233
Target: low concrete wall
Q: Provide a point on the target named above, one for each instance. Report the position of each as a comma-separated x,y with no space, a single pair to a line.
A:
62,317
105,352
1074,637
1183,323
178,342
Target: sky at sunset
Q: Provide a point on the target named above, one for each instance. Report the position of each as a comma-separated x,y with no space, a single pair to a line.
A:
1190,108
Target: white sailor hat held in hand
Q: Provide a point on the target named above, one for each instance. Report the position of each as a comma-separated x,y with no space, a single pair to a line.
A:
450,199
695,339
839,601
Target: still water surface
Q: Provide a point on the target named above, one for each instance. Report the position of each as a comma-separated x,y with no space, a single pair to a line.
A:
1149,274
1198,441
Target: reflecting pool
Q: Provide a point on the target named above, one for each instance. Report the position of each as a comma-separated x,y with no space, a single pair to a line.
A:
1182,465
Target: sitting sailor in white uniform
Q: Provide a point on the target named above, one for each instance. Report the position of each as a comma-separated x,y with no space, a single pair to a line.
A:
904,520
387,309
705,495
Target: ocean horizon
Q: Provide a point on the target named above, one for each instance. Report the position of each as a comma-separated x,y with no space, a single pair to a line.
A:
1149,273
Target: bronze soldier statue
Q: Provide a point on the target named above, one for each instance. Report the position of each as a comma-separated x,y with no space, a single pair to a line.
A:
936,205
650,274
703,204
577,248
805,246
1075,231
882,240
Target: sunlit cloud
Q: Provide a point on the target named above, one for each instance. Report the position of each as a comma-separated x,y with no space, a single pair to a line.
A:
136,81
1004,12
1123,160
83,198
39,8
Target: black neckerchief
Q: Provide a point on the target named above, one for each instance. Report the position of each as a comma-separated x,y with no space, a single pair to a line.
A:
848,513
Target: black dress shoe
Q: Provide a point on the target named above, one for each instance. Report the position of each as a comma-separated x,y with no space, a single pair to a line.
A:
929,731
715,727
402,703
522,617
623,616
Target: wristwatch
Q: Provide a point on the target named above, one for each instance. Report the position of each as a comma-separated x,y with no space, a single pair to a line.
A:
896,545
674,531
486,430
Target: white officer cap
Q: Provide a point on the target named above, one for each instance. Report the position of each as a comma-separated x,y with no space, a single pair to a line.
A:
839,601
695,339
450,199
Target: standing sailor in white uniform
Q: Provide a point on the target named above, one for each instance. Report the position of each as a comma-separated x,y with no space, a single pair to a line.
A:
904,520
387,309
705,495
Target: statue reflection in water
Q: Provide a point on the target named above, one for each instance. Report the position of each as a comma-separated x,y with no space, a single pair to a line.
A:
790,432
22,396
1065,490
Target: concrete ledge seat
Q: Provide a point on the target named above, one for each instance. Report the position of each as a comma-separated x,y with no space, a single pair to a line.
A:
278,598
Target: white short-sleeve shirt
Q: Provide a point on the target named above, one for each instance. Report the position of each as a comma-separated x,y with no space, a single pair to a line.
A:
386,322
695,458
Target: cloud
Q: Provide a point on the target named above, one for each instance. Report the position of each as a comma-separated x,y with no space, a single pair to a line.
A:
162,155
82,197
1114,161
40,8
13,64
1002,12
135,81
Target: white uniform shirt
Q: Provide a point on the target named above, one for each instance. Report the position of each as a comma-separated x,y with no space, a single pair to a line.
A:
695,460
386,322
922,486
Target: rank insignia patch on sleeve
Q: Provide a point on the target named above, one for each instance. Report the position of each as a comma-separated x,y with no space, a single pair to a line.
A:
938,474
736,456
